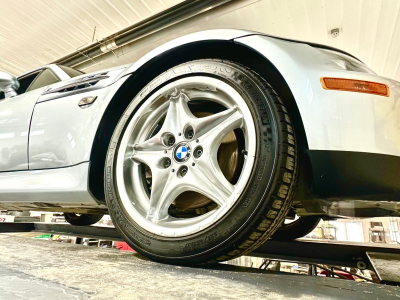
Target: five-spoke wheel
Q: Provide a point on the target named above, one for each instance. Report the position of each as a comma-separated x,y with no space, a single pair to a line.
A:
202,164
179,155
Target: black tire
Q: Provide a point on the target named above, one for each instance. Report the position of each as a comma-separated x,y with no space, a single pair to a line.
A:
82,219
296,229
263,205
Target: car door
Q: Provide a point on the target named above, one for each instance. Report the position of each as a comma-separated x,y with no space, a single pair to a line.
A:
15,117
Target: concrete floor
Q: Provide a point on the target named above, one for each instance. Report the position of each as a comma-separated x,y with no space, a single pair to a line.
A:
36,269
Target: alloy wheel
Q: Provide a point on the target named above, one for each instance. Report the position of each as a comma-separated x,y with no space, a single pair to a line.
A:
169,156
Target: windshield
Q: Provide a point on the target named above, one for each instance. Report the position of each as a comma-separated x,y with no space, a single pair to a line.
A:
71,71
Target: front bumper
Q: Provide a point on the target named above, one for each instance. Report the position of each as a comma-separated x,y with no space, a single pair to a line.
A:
346,175
353,138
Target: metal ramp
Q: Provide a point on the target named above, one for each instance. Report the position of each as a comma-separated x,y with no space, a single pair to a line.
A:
383,259
386,267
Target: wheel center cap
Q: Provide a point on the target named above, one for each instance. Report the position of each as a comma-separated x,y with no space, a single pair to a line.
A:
182,152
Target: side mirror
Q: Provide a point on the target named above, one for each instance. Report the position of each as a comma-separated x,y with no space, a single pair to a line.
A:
8,84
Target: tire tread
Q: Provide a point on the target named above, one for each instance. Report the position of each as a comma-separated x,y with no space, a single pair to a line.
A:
275,219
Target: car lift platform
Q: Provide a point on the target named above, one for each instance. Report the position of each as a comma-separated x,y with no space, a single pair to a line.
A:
383,259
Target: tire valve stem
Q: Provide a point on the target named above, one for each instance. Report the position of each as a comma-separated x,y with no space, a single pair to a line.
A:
244,152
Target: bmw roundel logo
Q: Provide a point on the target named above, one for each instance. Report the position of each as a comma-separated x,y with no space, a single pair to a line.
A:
182,152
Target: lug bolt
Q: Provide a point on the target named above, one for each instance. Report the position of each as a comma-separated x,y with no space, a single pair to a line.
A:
190,134
198,152
183,171
171,141
167,163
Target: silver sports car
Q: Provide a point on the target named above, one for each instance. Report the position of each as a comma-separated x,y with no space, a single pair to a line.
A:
202,148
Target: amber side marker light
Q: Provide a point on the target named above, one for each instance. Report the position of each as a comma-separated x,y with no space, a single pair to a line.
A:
352,85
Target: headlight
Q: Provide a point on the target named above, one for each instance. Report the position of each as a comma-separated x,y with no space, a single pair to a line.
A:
345,62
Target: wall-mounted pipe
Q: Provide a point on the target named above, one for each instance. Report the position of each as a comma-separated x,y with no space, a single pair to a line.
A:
166,18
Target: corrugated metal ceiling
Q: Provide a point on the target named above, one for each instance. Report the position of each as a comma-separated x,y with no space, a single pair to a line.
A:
35,33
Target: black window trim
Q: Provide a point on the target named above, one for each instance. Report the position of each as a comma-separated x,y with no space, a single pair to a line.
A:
40,71
30,73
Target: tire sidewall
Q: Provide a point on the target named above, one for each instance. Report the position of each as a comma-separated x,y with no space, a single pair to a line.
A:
231,228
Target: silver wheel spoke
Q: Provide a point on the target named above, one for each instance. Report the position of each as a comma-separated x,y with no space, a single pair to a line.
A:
178,114
207,179
152,144
219,120
162,195
162,191
150,158
210,183
214,136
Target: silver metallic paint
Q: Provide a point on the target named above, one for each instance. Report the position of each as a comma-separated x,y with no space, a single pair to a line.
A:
15,117
54,91
66,146
65,131
334,120
63,185
209,35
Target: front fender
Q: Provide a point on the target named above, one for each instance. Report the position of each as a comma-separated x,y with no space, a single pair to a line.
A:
334,120
62,133
209,35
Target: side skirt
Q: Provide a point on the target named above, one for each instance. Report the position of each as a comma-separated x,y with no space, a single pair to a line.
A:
61,189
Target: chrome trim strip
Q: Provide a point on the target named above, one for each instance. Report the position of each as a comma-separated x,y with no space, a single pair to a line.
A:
76,84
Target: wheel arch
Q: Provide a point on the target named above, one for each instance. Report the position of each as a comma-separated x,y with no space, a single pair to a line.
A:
216,49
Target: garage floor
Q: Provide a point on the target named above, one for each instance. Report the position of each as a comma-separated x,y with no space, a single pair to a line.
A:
36,269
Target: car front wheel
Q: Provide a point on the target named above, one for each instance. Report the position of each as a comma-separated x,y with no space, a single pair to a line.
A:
202,164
